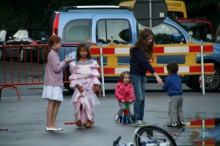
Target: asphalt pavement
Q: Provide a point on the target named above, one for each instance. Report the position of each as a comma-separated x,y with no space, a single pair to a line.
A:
23,122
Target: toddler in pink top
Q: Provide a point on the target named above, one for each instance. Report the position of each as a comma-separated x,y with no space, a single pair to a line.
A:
124,93
84,78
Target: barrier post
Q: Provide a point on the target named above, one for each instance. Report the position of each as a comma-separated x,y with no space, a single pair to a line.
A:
202,68
102,70
203,132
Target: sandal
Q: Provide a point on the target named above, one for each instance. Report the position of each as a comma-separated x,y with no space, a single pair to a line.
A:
79,123
89,124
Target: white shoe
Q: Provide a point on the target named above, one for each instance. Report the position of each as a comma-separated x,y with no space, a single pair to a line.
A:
51,129
116,117
60,129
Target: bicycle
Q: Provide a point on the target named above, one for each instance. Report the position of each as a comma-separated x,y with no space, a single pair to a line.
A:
149,136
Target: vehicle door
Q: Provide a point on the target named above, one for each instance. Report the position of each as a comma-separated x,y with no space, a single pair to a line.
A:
118,28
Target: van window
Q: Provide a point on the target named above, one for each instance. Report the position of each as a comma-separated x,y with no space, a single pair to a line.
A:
200,30
77,31
162,33
116,30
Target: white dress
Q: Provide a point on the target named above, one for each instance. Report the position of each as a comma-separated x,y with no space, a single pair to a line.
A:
53,93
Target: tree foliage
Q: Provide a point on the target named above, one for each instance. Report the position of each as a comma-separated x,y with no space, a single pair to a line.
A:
17,14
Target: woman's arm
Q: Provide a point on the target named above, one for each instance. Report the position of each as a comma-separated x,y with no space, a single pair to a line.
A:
159,80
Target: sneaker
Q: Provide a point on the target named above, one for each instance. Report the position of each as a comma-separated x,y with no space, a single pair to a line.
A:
144,123
116,117
175,124
138,124
181,123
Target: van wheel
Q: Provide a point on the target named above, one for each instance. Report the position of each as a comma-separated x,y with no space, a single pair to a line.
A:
212,81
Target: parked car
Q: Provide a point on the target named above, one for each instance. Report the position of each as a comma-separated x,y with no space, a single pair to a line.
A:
102,23
4,37
201,28
25,37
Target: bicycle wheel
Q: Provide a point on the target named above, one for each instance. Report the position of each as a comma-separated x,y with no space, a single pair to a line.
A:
152,136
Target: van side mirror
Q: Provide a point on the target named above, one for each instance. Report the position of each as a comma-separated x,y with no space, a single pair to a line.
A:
124,35
209,37
177,38
218,38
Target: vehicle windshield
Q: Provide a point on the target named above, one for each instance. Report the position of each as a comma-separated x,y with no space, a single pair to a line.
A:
199,30
21,34
163,33
195,29
217,40
2,35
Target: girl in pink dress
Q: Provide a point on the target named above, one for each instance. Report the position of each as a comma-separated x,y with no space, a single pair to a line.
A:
84,79
124,93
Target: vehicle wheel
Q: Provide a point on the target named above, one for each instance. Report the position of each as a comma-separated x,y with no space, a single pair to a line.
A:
212,81
67,85
152,135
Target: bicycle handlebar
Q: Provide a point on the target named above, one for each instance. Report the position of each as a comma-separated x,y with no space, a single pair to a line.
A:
115,143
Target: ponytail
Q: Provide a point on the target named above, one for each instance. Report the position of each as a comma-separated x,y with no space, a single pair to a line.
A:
53,39
47,51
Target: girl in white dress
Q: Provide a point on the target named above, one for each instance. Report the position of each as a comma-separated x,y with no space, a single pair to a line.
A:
53,81
84,78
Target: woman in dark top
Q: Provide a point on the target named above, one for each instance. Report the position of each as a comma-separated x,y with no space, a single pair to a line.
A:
140,54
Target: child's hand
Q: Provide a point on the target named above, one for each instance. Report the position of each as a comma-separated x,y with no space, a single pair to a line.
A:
122,100
130,101
95,88
68,60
